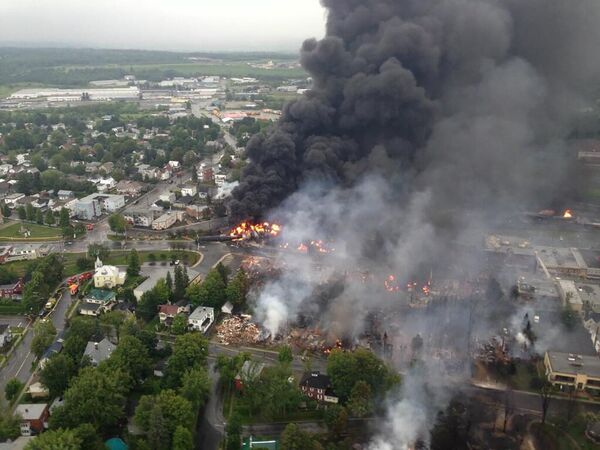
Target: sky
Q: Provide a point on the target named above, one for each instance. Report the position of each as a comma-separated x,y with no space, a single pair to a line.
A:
179,25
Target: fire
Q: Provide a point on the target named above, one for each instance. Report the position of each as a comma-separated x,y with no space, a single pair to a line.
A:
247,230
391,285
568,214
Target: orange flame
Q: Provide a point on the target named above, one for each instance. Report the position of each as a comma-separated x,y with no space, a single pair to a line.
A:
247,230
568,214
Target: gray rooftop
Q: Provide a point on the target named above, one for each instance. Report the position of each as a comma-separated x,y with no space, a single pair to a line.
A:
99,351
31,411
571,363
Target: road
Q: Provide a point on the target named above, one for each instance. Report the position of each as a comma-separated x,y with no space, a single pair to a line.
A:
21,361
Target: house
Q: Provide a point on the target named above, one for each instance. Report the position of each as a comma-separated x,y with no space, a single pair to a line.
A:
569,370
11,200
147,171
168,197
37,390
5,335
90,309
183,202
108,276
92,167
65,195
208,175
196,211
85,209
220,179
4,253
106,184
201,319
569,295
106,202
142,217
250,371
98,351
34,417
100,297
318,387
166,313
129,188
21,252
13,290
189,189
107,167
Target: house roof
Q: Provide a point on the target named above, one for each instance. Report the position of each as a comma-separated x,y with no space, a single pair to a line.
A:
170,310
99,351
200,312
315,380
85,306
31,411
250,370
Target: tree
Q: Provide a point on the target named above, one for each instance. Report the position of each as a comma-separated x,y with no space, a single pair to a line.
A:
195,386
57,373
346,368
183,439
210,293
237,288
189,351
43,336
22,212
360,403
293,438
55,440
9,426
148,304
49,219
162,414
131,357
234,431
90,440
12,389
133,266
98,251
65,219
39,216
117,223
336,419
285,355
94,396
545,392
179,325
6,212
30,212
169,282
223,272
179,284
451,429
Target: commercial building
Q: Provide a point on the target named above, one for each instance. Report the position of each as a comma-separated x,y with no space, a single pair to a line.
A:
157,274
65,95
165,221
94,205
201,319
568,370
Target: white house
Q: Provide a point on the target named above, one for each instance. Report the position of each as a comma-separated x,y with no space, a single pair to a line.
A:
189,190
201,319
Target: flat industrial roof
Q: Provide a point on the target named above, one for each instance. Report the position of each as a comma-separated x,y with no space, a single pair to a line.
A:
572,363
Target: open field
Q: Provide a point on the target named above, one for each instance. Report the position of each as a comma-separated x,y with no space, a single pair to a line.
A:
38,232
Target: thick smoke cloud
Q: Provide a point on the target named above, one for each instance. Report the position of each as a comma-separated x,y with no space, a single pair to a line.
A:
427,120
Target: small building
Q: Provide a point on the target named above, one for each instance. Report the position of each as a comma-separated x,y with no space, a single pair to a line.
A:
108,276
90,309
65,195
201,319
34,417
98,351
572,370
168,197
227,308
569,295
196,212
5,335
100,297
250,371
129,188
317,386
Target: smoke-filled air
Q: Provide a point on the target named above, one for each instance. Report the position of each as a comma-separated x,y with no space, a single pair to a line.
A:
428,122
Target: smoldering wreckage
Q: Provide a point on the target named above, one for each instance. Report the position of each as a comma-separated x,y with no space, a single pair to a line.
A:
426,123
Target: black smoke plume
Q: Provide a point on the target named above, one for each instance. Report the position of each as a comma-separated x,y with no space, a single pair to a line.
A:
463,95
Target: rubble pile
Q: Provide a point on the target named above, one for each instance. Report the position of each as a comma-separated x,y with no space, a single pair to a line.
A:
238,330
308,339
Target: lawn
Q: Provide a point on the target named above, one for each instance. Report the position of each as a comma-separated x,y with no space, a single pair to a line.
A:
12,232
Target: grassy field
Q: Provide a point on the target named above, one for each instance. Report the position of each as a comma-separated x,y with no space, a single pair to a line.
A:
38,232
116,258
